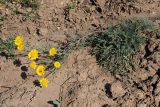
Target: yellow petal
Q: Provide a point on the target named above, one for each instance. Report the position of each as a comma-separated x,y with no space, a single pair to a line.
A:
33,54
44,82
52,51
33,65
40,70
20,47
57,64
18,40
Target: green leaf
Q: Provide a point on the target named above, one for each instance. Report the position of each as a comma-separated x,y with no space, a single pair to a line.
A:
56,103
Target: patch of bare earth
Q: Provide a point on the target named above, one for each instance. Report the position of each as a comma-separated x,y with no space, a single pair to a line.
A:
80,82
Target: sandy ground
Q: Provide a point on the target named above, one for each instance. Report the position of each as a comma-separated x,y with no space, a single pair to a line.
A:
80,82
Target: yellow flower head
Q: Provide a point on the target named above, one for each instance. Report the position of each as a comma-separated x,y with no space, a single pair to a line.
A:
33,54
18,40
33,65
44,82
20,47
40,70
57,65
52,51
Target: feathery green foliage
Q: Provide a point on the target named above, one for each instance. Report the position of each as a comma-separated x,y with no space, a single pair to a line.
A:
7,46
71,6
30,3
114,49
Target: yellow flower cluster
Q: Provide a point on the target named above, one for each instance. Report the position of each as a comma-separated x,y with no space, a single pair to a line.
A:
40,69
19,43
33,55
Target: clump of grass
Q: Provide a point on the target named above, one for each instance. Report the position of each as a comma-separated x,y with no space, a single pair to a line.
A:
71,6
30,3
24,3
7,47
115,49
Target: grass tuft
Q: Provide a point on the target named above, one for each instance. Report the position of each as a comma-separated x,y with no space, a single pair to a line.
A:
24,3
115,49
30,3
7,47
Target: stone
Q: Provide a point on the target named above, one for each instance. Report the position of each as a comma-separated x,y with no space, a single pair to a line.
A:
43,31
139,94
143,75
144,63
117,89
152,45
21,11
29,9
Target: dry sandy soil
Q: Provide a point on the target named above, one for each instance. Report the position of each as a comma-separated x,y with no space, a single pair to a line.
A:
80,82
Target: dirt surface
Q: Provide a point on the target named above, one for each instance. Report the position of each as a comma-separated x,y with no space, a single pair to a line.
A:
80,82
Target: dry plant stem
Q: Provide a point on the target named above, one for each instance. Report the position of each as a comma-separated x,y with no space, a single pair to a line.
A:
31,61
21,54
44,58
61,88
5,87
25,63
48,74
33,75
26,53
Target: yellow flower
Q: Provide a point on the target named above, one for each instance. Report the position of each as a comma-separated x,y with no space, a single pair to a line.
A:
20,47
52,51
33,65
44,82
57,64
40,70
18,40
33,54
